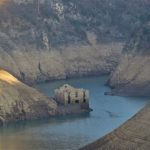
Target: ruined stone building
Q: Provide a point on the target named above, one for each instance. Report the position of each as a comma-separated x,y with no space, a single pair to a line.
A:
68,95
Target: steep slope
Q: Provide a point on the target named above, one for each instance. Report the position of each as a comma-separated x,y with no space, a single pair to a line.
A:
20,102
132,76
32,65
133,135
53,23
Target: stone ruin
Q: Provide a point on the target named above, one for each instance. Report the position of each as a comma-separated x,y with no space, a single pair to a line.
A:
68,95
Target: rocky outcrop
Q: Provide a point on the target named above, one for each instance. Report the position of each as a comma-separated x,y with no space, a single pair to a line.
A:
21,102
132,76
132,135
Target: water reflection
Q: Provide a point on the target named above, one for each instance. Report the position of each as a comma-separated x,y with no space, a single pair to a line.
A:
23,125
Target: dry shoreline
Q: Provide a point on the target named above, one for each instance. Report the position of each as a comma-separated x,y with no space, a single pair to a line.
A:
134,134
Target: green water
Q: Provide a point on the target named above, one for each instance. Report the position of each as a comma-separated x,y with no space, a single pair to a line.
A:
72,132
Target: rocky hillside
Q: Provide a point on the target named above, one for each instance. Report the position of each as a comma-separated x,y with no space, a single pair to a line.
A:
52,23
20,102
48,39
132,76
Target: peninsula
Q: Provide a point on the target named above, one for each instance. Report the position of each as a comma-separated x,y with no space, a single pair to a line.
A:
20,102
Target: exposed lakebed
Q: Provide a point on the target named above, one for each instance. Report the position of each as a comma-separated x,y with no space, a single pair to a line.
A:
72,132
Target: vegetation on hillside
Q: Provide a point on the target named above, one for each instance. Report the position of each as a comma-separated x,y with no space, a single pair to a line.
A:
67,22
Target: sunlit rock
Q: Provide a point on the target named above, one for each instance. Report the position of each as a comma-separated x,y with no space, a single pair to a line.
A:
21,102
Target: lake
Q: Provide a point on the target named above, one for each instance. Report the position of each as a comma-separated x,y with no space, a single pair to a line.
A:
72,132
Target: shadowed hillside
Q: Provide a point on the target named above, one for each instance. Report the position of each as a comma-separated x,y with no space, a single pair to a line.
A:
133,73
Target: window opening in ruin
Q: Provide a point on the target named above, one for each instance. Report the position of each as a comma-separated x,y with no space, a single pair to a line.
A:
76,94
69,99
84,97
76,101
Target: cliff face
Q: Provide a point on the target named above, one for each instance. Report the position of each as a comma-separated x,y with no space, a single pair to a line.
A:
58,39
132,76
20,102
